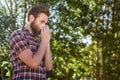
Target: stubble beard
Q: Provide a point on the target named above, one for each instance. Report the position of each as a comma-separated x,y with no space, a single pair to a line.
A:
34,28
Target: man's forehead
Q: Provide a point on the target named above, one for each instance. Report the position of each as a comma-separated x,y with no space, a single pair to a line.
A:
43,17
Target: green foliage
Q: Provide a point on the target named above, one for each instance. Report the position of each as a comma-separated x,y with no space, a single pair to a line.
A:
85,37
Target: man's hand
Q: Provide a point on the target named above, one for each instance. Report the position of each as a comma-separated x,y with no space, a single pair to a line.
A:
45,33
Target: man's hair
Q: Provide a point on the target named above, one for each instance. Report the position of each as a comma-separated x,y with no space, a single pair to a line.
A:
36,10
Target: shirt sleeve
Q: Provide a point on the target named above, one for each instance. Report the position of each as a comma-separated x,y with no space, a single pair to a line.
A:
18,43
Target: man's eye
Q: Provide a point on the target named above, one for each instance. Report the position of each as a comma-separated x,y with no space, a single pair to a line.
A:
46,23
41,21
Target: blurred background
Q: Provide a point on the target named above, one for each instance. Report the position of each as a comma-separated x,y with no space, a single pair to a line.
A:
85,42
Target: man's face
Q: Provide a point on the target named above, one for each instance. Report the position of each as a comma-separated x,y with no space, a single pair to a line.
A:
38,22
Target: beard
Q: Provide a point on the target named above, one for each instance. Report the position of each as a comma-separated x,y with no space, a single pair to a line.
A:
34,28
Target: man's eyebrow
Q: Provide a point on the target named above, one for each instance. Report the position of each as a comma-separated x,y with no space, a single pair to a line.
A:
44,21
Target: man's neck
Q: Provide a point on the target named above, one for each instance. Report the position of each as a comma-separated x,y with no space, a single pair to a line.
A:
28,27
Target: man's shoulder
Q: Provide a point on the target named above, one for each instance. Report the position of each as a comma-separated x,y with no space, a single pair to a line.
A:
17,32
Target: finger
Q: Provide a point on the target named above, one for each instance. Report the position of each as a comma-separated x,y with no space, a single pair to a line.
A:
47,29
42,30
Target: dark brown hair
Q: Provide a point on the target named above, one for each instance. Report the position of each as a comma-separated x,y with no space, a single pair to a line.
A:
36,10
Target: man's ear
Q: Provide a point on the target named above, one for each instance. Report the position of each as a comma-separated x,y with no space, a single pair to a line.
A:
31,18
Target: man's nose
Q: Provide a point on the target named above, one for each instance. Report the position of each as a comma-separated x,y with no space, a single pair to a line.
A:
43,25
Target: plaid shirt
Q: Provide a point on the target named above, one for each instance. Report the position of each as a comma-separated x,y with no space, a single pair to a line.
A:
19,41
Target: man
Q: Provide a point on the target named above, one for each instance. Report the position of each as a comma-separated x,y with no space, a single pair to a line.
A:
30,57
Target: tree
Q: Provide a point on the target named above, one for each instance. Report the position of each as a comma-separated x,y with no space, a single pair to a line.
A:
85,36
